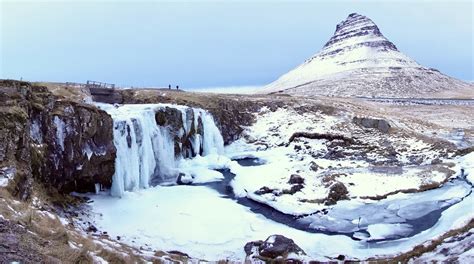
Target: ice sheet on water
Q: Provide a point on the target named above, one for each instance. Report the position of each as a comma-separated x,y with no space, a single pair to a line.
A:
417,210
468,166
350,216
382,231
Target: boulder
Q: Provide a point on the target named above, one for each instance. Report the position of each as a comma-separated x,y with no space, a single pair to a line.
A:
337,192
367,122
296,179
275,247
184,179
314,166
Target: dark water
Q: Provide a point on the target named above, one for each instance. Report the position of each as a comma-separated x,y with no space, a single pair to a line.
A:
246,162
223,187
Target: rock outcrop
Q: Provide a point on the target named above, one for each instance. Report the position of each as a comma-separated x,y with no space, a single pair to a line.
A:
72,146
14,139
359,61
64,144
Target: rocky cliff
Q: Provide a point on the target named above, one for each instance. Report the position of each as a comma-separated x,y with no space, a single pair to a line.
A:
358,60
230,113
64,144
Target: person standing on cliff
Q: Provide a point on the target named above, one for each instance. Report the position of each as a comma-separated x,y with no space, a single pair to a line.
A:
177,87
169,86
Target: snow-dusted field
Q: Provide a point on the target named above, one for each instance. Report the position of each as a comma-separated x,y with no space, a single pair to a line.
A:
373,220
228,89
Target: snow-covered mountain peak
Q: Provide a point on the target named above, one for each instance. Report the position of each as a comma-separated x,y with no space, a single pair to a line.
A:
358,60
358,29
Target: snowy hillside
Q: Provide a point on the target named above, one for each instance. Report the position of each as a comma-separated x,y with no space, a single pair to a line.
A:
359,61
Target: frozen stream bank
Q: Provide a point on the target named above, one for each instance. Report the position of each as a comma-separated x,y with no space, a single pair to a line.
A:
203,222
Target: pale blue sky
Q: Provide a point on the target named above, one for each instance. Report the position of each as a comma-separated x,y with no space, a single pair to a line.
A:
213,43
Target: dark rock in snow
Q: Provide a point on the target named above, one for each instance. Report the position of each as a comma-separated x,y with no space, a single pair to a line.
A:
264,190
337,192
184,179
295,188
273,248
314,166
380,124
92,229
296,179
329,137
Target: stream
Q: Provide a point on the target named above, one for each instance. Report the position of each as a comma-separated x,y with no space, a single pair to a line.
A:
414,217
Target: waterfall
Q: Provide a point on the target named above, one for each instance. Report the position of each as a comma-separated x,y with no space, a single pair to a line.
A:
212,141
147,151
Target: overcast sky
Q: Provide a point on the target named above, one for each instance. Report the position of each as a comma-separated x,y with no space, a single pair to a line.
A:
213,43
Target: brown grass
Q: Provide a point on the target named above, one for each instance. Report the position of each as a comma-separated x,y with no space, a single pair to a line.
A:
421,249
61,90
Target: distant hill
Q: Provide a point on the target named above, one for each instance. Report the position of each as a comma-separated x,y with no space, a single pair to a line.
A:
359,61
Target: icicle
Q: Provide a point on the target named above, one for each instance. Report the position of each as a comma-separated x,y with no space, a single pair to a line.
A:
60,131
97,188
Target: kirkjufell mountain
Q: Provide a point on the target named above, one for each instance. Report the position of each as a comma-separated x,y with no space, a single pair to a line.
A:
359,61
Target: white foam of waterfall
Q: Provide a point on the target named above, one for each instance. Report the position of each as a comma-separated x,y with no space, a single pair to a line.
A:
212,143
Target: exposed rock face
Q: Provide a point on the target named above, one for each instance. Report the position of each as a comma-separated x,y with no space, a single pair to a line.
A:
367,122
275,247
64,144
14,138
359,61
75,146
329,137
105,95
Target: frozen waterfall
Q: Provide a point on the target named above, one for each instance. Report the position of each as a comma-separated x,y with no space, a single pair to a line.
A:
147,150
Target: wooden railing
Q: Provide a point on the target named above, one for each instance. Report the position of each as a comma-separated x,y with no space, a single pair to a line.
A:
95,84
91,84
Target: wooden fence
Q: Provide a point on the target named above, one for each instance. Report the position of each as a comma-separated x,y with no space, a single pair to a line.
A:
92,84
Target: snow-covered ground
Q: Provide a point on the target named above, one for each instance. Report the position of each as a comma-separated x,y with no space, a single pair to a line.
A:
268,139
198,221
204,223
